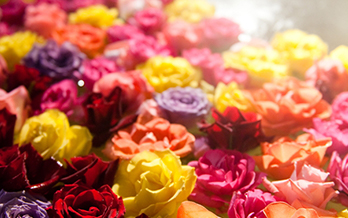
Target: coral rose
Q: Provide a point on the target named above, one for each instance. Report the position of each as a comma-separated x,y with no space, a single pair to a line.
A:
288,105
153,135
89,39
279,158
284,210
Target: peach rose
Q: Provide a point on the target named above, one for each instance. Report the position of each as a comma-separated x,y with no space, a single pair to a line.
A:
44,18
288,105
274,210
306,188
90,40
149,135
279,158
16,102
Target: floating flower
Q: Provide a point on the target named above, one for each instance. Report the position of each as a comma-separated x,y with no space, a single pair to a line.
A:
301,49
94,15
129,8
340,53
156,134
216,180
52,136
123,32
189,209
166,72
150,20
279,158
154,183
190,11
273,210
13,11
14,47
7,125
340,107
185,106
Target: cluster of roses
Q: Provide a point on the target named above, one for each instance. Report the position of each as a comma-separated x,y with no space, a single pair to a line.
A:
128,108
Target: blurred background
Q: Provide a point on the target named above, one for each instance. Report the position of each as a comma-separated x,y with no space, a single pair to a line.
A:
263,18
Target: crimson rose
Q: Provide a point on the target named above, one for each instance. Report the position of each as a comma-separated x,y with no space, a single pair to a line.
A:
7,125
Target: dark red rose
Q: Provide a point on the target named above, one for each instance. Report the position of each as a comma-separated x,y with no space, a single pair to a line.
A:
7,124
91,171
234,130
78,200
24,168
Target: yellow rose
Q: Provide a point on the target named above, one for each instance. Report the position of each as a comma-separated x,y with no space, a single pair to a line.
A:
154,183
166,72
192,11
343,214
341,53
231,96
14,47
95,15
52,136
300,48
262,64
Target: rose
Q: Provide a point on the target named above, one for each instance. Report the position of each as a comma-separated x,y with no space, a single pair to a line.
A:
234,130
305,188
216,184
23,168
128,8
288,105
150,20
22,204
154,183
300,48
14,47
338,173
74,5
44,18
327,76
219,33
3,70
134,87
94,15
190,209
57,62
123,32
155,135
340,107
6,29
7,125
279,158
16,102
185,106
149,109
52,136
250,204
90,40
91,171
12,12
81,201
335,129
166,72
340,53
273,210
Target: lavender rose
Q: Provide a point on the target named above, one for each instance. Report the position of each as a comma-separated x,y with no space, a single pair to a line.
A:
220,173
22,204
185,106
57,62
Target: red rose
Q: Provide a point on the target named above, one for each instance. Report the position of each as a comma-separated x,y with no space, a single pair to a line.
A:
77,200
7,125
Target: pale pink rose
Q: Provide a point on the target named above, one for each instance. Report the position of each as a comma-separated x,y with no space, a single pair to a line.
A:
16,102
135,89
329,77
150,20
44,18
305,188
3,70
181,35
127,8
149,109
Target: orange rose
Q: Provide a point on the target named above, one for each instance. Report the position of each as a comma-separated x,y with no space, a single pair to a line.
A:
288,105
278,159
190,209
90,40
284,210
153,135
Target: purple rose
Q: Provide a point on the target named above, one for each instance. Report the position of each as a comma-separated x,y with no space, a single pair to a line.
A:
340,107
250,204
93,70
338,170
57,62
220,173
62,95
22,204
185,106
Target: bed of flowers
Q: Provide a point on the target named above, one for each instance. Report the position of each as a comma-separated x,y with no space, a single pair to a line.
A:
158,108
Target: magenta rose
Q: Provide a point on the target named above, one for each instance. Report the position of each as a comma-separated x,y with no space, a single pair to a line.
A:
340,107
124,32
338,169
150,20
250,204
220,173
13,12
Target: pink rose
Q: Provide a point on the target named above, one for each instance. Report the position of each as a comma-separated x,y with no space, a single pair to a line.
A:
16,102
149,109
135,88
119,33
127,8
6,29
12,12
338,169
62,96
329,77
44,18
219,33
340,107
150,20
305,188
220,173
